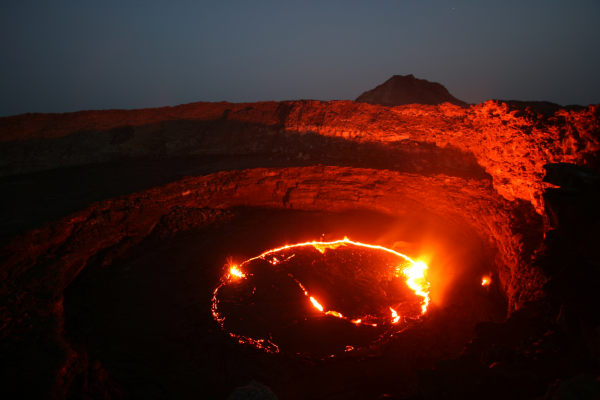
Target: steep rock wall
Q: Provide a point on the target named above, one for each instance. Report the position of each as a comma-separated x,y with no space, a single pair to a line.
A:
511,144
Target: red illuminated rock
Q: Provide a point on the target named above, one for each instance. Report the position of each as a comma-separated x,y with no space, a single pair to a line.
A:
441,155
37,267
510,144
59,250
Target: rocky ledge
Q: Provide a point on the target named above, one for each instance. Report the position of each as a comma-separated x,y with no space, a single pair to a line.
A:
508,142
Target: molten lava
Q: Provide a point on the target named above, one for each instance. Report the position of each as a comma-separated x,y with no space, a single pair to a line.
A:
316,304
417,282
235,272
395,316
370,288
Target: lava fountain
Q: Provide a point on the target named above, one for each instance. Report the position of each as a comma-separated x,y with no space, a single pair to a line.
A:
320,299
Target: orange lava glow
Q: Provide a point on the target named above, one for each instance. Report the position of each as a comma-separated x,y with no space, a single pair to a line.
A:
395,316
316,304
335,314
326,245
417,281
414,273
234,271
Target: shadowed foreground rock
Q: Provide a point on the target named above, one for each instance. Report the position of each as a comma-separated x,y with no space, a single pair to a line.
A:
252,391
549,348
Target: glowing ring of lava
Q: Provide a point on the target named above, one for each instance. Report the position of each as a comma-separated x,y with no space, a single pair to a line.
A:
413,272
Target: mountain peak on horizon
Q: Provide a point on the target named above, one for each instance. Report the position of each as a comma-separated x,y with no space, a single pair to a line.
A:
400,90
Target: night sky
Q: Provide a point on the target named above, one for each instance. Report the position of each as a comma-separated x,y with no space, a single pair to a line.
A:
63,56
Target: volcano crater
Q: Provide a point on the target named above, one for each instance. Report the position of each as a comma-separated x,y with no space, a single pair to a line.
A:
114,298
142,306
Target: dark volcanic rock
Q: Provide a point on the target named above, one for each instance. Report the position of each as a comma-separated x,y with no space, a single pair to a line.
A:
439,154
36,268
511,144
401,90
546,108
548,346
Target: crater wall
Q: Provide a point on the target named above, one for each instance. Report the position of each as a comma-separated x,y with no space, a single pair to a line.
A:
476,171
509,143
37,267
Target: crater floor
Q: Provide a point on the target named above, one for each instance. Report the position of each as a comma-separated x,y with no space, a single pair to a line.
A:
147,316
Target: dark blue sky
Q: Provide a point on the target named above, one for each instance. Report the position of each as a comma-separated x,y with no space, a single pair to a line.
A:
62,56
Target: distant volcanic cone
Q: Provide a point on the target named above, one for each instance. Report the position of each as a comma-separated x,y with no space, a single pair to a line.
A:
400,90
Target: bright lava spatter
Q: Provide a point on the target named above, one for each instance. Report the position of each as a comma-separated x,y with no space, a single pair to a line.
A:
415,279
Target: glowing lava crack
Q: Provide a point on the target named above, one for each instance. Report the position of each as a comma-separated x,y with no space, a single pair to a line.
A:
321,298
